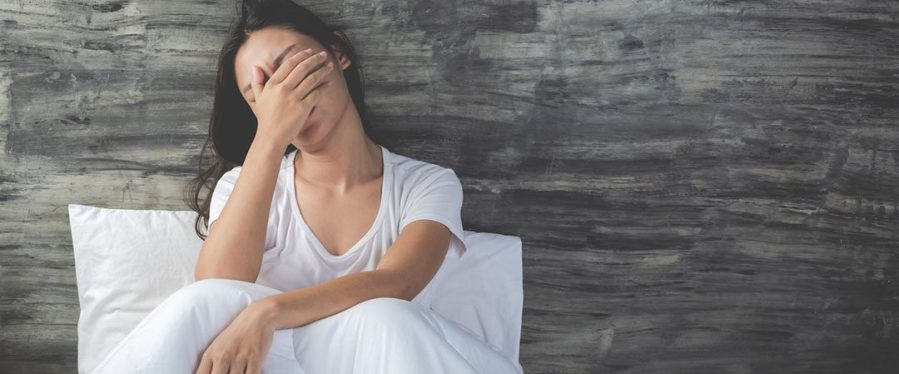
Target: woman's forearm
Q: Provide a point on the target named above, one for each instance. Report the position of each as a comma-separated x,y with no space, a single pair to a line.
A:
306,305
233,248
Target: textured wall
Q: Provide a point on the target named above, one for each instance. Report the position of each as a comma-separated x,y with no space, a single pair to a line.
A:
701,186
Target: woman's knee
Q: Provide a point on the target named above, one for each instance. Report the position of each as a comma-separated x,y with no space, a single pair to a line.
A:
210,290
386,310
211,286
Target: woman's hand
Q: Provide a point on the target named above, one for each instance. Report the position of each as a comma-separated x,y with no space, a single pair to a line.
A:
283,103
242,346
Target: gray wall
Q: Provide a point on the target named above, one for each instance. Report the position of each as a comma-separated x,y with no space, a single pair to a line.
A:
700,186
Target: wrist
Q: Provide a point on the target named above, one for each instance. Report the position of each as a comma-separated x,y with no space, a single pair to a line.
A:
269,143
267,311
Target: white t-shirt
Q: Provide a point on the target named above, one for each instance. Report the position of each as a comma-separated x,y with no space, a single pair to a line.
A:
294,258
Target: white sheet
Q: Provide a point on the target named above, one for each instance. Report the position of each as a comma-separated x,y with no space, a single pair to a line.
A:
383,335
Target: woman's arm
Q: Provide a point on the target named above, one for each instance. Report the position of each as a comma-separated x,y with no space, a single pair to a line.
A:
235,242
406,268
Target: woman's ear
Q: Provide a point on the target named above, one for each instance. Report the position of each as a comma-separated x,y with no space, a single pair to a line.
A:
342,60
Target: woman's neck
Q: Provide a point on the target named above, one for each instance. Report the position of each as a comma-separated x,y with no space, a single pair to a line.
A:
347,158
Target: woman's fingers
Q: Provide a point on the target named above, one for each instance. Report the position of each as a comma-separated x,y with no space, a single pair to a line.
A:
304,69
237,366
219,367
287,66
309,99
313,79
205,364
256,82
225,364
253,367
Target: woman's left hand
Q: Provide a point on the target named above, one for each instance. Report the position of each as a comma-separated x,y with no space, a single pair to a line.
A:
242,346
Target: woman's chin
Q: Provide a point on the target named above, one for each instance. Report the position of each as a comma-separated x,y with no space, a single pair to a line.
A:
309,131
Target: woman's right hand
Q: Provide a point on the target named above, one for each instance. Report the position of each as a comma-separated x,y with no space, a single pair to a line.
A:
283,103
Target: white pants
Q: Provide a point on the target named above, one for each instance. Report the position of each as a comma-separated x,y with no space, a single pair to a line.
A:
382,335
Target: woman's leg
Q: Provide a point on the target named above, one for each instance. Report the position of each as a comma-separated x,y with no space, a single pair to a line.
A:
391,335
473,347
173,337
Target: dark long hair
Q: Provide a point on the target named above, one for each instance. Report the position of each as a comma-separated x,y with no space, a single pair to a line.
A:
232,124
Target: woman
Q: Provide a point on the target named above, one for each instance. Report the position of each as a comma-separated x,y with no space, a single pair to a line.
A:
307,205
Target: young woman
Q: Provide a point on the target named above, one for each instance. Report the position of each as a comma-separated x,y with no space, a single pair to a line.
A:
318,237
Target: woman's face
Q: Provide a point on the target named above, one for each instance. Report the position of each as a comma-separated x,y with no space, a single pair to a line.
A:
268,48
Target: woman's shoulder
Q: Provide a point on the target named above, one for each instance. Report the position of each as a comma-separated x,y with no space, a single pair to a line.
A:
410,171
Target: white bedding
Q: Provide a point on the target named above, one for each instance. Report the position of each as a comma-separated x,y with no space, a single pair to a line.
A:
128,261
382,335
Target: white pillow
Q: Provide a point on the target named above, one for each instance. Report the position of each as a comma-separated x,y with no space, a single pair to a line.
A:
482,290
127,261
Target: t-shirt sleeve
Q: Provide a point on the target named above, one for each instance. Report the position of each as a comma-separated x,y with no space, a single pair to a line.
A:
438,197
220,194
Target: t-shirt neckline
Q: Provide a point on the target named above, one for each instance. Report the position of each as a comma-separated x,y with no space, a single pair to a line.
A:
295,207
